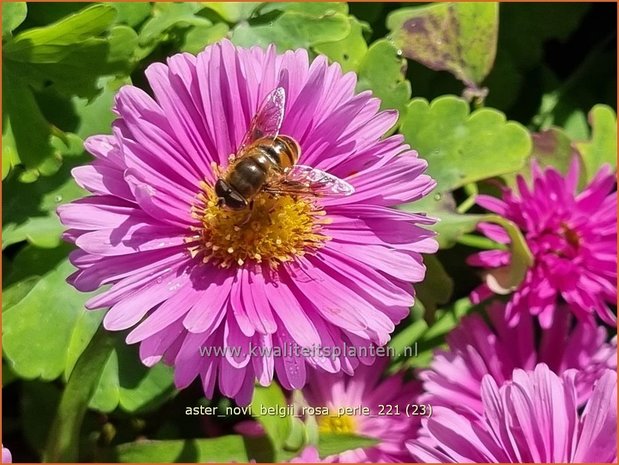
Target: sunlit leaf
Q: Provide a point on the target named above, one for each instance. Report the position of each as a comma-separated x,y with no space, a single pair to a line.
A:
602,147
551,148
293,30
233,12
29,212
308,8
450,225
460,147
13,14
166,15
131,13
382,71
95,115
336,443
73,52
276,427
349,51
224,449
506,279
456,37
30,346
26,135
199,37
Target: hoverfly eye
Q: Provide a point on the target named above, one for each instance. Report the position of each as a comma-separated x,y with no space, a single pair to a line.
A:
221,189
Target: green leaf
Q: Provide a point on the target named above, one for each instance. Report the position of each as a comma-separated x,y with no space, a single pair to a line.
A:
456,37
437,286
63,440
382,70
293,30
462,148
433,336
506,279
224,449
96,115
308,8
26,135
29,212
349,51
602,147
13,14
34,351
407,337
38,407
277,428
336,443
131,14
199,37
167,15
73,52
451,225
233,12
127,383
551,148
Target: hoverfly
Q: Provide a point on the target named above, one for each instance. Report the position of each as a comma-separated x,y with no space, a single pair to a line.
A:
267,162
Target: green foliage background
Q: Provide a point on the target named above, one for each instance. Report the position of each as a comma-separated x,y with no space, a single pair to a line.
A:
481,89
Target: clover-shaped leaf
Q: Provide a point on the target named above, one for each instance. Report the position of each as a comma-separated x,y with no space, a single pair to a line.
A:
32,349
460,147
602,147
349,51
383,70
456,37
292,30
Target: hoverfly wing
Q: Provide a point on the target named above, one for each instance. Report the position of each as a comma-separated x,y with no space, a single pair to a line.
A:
268,118
320,182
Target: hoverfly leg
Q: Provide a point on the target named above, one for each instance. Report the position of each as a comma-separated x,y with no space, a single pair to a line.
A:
250,213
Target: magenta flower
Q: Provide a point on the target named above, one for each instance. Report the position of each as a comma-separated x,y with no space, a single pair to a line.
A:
572,236
385,420
534,418
476,349
189,275
308,455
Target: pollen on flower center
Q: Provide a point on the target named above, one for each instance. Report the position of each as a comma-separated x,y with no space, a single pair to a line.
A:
570,236
275,230
338,424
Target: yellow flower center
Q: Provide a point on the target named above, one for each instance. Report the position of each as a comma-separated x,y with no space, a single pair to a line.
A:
275,230
344,424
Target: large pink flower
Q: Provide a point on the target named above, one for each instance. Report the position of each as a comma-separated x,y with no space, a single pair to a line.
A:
573,238
533,418
477,348
386,419
188,276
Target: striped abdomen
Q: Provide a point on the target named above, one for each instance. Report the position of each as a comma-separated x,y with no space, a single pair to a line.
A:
260,162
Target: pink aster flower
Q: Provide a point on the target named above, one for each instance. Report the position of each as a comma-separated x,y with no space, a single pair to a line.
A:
573,239
476,349
308,455
533,418
385,420
188,275
6,455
